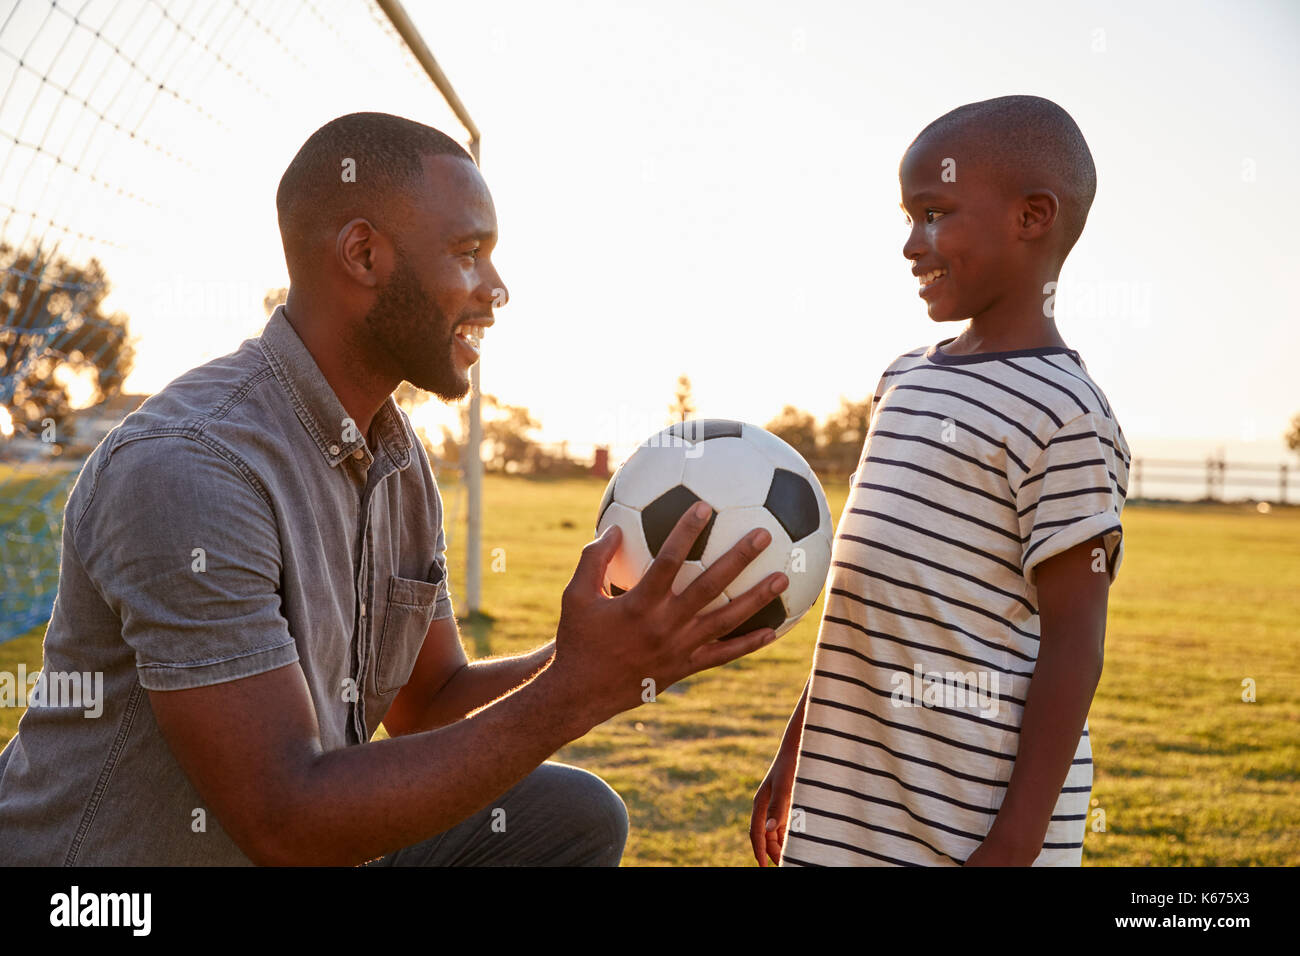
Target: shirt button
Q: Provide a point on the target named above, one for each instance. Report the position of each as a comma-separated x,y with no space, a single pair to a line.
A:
359,453
334,449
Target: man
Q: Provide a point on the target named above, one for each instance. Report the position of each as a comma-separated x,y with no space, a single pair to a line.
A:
254,560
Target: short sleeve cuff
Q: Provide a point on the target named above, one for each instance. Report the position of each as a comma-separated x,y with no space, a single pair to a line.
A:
1105,525
183,676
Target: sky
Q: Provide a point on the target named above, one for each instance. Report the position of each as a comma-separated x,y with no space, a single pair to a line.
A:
710,189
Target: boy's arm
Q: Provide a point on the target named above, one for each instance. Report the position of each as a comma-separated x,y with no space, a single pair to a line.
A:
1072,608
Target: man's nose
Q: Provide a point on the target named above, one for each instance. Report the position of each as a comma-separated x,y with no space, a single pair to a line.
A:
496,290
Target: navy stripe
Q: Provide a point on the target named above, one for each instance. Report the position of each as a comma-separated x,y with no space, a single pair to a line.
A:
935,594
1076,464
1095,394
941,567
938,507
844,846
932,620
881,801
942,446
932,708
874,772
960,745
1056,385
911,758
1041,541
939,537
1059,495
944,478
905,668
978,404
970,428
1002,386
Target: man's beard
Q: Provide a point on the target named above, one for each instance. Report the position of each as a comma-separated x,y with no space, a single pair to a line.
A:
413,336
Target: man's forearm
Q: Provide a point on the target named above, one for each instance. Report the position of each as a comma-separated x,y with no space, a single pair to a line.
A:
357,803
477,684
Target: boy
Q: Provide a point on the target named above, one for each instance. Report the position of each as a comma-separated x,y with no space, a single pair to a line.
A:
945,720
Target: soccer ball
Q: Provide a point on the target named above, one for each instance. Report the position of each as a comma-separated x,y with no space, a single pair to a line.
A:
751,479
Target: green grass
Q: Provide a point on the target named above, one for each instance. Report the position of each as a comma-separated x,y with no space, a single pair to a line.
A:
1186,772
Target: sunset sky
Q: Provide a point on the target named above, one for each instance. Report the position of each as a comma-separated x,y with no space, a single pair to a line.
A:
711,189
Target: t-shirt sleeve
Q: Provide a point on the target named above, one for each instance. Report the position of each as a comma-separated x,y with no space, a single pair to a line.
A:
1073,492
186,552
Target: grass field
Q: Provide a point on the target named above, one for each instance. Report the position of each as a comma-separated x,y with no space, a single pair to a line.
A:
1186,772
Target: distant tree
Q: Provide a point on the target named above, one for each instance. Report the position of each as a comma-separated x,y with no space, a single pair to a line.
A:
273,298
506,435
682,407
844,432
1293,434
54,321
798,429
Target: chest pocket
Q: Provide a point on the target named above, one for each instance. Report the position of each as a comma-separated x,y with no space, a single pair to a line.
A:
406,622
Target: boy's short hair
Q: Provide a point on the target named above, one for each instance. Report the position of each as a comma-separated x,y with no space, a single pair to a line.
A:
1034,142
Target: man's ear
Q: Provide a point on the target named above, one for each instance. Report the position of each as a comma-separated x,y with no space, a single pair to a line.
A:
1037,213
356,248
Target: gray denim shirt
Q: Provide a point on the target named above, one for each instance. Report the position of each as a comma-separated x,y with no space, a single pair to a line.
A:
233,524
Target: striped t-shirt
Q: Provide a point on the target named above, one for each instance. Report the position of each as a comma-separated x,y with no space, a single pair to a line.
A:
976,468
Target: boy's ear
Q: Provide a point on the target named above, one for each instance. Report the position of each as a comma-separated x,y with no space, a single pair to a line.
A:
1037,213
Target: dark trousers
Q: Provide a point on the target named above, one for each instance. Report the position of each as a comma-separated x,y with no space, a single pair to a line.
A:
556,816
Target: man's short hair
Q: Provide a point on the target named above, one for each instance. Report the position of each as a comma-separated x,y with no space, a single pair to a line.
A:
315,199
1030,141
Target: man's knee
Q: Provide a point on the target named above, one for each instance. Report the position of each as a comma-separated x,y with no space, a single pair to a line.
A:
591,813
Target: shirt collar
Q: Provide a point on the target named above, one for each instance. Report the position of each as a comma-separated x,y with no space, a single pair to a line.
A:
319,409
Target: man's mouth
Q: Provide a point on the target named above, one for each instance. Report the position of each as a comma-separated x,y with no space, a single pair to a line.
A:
470,334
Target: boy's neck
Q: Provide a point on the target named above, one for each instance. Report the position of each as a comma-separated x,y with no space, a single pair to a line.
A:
1008,327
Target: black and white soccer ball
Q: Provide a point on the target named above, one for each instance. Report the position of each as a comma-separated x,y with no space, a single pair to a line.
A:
751,479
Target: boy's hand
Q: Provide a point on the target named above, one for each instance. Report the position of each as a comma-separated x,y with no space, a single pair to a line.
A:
771,811
996,852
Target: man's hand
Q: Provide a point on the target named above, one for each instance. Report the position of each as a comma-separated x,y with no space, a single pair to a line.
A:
606,648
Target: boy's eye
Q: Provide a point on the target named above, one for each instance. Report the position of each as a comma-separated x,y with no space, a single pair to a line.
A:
472,253
930,213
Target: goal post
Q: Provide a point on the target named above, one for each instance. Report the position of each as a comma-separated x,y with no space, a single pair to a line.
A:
471,457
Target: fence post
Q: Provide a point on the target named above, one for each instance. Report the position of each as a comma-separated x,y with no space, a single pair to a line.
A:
1281,485
1137,477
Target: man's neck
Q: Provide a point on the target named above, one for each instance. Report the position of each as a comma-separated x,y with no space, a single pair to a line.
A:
359,389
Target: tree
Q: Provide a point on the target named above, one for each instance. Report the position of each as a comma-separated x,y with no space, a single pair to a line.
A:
1293,434
844,432
273,298
798,429
682,407
54,323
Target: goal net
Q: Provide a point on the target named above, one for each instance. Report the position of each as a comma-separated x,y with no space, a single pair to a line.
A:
141,143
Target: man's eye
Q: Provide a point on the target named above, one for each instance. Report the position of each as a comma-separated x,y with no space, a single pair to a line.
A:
930,213
472,253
